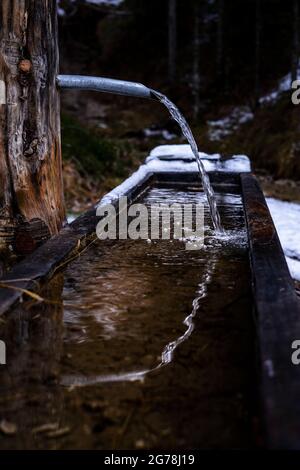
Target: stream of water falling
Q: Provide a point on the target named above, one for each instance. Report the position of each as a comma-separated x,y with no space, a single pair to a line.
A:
186,130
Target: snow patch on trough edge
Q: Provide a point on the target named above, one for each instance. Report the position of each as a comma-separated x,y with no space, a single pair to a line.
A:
176,158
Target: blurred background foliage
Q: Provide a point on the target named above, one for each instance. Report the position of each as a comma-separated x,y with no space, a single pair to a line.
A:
219,60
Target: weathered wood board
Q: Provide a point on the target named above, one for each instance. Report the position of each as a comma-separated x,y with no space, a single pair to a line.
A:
277,311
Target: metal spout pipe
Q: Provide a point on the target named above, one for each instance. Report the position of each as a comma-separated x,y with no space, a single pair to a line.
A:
106,85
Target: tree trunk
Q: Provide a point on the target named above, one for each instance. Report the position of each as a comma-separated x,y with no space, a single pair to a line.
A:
196,50
295,48
172,28
220,40
257,51
31,191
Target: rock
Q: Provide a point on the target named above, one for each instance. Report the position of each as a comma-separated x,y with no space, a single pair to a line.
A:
140,444
8,428
45,428
59,432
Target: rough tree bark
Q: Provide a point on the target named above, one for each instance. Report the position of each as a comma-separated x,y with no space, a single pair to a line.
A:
172,30
31,191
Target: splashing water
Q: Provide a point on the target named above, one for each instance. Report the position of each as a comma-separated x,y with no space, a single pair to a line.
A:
186,130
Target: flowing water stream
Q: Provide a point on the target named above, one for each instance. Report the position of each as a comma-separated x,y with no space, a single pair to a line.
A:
186,130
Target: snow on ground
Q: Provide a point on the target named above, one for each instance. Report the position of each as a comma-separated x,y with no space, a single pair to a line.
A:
221,128
164,133
286,217
294,267
113,3
105,2
283,85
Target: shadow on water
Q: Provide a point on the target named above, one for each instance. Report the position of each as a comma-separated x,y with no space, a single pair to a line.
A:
144,345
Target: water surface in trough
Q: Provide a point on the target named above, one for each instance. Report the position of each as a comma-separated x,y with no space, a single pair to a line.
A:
145,345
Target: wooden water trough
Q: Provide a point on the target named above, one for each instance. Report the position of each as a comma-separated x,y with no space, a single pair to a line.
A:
31,201
275,305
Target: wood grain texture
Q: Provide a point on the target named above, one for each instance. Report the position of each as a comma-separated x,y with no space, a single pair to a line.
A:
30,150
278,322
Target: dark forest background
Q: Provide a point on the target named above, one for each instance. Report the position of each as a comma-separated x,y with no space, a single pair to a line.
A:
219,60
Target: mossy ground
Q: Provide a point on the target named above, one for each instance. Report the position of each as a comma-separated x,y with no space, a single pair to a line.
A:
93,164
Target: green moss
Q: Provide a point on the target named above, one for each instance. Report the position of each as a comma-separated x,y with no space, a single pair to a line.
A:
94,155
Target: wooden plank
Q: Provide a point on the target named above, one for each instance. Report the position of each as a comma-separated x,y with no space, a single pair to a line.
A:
40,265
278,322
